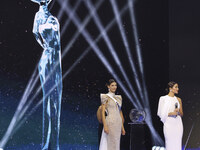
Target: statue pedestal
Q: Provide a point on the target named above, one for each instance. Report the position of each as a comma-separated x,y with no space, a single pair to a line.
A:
140,137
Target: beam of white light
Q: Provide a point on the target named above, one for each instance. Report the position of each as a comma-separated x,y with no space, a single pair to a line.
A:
85,22
64,76
19,112
69,17
52,4
74,37
156,137
98,53
38,90
189,136
25,98
65,50
60,13
138,49
28,90
111,48
63,54
19,115
136,37
21,104
72,41
126,45
108,27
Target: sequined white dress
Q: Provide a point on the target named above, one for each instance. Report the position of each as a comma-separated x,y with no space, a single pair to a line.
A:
111,141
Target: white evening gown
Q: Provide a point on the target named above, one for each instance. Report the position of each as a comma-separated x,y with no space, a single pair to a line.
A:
172,126
111,141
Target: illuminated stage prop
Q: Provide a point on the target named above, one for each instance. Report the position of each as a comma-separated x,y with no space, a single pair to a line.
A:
47,33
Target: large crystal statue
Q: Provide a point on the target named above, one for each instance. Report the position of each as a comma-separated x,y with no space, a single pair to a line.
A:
47,33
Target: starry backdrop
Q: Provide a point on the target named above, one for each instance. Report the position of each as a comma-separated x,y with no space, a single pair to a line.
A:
20,54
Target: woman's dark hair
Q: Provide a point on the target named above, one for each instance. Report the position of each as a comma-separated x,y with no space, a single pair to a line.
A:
170,85
110,82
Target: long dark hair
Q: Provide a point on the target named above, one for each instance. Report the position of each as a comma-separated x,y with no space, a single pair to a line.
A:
170,85
110,82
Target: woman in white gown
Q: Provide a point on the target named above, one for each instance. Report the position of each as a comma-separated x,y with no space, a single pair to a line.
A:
170,112
112,124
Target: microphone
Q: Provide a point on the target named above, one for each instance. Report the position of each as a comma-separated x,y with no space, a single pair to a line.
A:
176,105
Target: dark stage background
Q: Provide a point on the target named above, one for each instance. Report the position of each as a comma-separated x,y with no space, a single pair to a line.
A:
20,54
184,63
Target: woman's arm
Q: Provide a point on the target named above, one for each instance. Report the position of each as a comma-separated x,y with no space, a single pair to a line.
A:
121,114
181,107
175,113
104,118
123,130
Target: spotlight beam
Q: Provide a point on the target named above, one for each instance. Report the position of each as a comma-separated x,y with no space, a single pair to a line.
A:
138,49
98,38
89,48
41,100
85,22
60,13
108,27
155,135
66,73
72,41
52,4
189,136
98,52
124,9
32,85
21,104
69,17
111,48
27,89
136,37
15,118
68,46
126,45
71,14
13,124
